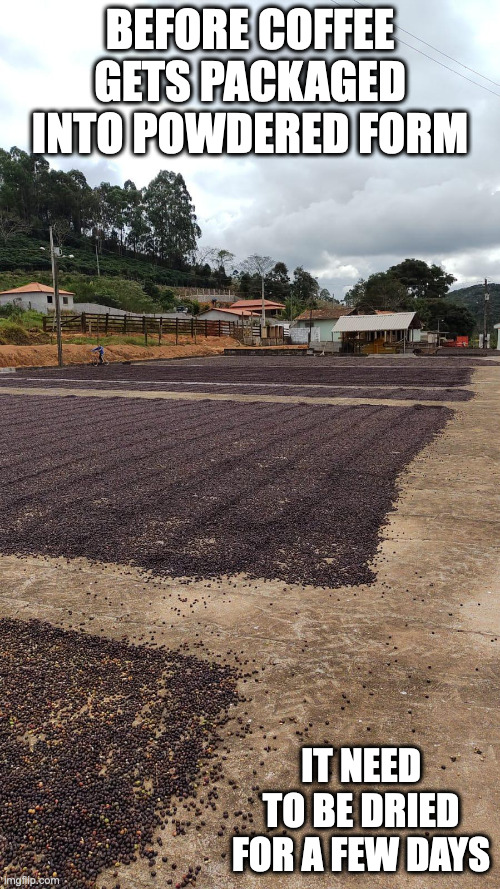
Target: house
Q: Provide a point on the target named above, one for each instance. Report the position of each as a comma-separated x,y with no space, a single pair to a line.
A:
236,316
379,332
319,321
38,297
272,308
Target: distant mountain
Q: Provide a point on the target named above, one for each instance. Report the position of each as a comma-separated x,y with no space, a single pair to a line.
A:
473,298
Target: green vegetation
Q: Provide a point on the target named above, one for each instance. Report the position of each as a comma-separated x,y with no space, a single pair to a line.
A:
472,299
413,285
19,327
113,340
131,247
26,318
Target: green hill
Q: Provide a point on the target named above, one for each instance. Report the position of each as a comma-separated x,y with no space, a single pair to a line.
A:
473,299
23,253
136,284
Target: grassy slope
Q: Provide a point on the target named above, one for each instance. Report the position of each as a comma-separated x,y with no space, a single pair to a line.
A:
22,257
473,298
119,292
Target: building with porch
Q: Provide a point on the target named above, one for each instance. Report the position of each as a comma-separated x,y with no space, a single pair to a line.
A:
381,332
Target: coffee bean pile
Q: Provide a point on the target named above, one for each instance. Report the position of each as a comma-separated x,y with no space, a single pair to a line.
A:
206,489
96,739
293,390
305,371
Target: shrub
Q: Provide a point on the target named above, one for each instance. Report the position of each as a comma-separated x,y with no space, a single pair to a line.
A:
14,334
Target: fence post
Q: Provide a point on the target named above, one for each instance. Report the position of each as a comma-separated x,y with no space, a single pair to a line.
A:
176,331
160,326
206,328
83,323
219,327
192,327
44,323
124,323
106,324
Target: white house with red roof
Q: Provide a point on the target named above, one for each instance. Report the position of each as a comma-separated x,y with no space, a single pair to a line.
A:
38,297
230,314
272,307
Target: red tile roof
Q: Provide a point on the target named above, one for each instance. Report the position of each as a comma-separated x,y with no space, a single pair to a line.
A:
35,287
330,313
256,304
232,311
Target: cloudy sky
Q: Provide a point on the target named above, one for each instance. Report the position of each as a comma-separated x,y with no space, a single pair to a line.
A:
340,217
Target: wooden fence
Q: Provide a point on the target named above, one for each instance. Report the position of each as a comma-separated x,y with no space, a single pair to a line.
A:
103,325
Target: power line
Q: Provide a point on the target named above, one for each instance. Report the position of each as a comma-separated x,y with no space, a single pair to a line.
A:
437,61
435,48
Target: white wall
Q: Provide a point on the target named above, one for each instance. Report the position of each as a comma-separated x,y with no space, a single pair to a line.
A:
324,326
300,335
37,301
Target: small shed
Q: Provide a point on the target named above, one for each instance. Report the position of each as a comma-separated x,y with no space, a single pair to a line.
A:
381,332
38,297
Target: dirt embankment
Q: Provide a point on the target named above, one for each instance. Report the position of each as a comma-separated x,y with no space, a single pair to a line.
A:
46,356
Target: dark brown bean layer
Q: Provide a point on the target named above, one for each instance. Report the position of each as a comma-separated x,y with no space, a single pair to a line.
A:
97,737
205,489
366,372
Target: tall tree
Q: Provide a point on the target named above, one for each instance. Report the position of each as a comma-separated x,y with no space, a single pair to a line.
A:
278,283
170,213
305,288
134,216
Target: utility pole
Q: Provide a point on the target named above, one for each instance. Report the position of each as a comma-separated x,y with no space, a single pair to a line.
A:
263,323
55,253
485,314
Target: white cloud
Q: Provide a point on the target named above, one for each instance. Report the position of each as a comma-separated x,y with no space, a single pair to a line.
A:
341,217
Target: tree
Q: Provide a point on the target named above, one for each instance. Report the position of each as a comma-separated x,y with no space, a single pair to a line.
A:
257,265
278,283
10,226
421,280
134,216
356,294
305,288
171,215
248,285
455,319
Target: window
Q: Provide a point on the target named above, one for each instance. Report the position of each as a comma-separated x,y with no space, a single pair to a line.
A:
65,300
49,300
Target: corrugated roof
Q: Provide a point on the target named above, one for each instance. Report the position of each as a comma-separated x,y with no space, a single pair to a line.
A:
330,313
359,323
35,287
